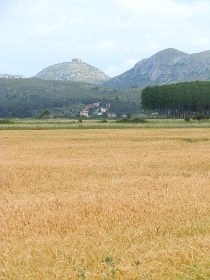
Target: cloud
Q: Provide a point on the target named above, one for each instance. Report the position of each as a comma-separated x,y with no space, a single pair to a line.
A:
48,29
110,34
130,62
106,45
202,42
113,70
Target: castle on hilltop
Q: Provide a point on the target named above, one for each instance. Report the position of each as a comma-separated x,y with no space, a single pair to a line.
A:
76,60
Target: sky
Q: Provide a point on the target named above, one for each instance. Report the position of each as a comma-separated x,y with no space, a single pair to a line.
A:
111,35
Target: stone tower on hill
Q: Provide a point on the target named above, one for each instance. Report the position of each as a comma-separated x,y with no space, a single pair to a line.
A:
76,70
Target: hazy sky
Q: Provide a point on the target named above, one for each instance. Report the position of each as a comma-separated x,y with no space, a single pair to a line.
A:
109,34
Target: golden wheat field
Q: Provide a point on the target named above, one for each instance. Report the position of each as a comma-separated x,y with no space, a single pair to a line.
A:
105,204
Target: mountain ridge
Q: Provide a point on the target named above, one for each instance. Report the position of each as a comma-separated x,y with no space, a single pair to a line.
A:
165,67
11,76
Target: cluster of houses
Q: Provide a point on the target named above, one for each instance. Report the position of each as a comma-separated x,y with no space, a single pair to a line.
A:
98,110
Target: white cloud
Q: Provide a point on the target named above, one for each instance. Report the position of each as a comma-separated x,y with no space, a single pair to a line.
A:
113,70
110,34
106,45
130,62
202,42
48,29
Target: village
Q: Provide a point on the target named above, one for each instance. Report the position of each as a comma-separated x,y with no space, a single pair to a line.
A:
97,110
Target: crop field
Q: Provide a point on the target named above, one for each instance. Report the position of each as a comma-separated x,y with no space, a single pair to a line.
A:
105,204
49,124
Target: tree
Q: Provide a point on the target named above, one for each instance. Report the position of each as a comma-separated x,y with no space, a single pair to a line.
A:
44,114
178,99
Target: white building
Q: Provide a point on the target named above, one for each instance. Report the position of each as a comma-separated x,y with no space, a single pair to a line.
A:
96,104
103,110
112,115
84,113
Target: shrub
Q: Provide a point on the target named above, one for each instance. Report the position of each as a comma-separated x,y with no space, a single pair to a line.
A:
43,114
187,118
201,117
127,120
5,121
103,121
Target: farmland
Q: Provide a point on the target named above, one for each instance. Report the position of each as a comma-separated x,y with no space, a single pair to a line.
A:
59,124
104,203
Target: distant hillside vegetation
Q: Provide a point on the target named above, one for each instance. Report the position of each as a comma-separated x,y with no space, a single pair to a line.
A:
24,97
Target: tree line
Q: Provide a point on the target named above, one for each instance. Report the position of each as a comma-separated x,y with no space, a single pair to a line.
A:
178,100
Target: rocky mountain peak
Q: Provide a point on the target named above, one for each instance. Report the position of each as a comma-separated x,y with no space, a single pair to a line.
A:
76,70
167,66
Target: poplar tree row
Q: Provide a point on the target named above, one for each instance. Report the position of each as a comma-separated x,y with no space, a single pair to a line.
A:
178,99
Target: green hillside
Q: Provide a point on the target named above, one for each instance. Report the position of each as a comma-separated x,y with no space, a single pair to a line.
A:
23,98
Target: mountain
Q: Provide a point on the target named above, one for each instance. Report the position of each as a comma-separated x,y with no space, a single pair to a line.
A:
76,71
165,67
9,76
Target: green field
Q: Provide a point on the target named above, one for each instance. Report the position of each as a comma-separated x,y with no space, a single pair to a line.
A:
31,124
